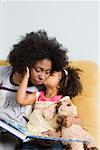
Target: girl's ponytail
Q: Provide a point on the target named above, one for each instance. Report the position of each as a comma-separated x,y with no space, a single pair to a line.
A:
70,84
73,85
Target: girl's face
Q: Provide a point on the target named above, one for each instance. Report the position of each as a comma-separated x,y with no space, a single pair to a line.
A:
53,79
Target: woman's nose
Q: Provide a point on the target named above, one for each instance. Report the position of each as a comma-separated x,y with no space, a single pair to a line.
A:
42,76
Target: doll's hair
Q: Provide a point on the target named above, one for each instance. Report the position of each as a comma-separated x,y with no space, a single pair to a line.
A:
61,120
70,84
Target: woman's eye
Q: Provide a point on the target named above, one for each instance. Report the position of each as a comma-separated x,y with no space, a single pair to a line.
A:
48,72
37,69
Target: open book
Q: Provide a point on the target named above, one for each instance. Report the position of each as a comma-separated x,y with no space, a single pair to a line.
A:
20,131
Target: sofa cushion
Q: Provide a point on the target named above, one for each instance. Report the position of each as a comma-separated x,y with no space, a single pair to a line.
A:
3,62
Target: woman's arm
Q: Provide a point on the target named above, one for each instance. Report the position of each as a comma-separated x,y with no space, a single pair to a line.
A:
22,98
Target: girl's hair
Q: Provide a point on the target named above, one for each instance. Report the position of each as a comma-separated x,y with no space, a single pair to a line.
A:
70,84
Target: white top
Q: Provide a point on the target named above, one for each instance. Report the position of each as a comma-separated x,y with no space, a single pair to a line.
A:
8,96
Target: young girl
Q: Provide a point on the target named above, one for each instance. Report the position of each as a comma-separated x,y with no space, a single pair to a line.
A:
43,120
58,84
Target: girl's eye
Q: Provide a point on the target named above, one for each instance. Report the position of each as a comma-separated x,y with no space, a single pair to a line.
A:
51,74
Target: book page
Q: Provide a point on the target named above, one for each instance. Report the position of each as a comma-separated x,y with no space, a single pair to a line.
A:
12,130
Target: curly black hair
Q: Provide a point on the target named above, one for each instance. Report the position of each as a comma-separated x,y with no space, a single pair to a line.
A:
37,46
70,84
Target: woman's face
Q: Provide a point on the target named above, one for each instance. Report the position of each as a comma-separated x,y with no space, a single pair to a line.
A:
40,71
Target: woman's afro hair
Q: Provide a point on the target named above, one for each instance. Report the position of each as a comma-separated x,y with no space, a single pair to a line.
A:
36,46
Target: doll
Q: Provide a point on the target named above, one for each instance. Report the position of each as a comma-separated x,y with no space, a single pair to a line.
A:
70,128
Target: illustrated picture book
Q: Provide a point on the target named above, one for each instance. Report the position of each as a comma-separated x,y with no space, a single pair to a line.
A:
20,131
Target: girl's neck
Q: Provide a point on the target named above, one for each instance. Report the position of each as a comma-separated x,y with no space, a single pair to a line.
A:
51,93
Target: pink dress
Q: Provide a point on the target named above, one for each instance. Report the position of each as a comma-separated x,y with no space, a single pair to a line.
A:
37,123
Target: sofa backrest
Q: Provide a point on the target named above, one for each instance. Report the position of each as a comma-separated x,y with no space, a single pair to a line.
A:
88,101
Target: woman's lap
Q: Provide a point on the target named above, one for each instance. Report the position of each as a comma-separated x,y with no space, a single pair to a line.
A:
33,146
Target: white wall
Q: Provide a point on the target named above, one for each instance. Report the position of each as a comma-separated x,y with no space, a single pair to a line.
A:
75,24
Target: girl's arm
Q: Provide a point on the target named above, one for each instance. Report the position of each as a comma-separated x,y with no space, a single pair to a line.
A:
23,98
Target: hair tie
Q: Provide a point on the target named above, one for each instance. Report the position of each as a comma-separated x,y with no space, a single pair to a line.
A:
66,72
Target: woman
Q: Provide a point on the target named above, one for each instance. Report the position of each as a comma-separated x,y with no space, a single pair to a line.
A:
42,55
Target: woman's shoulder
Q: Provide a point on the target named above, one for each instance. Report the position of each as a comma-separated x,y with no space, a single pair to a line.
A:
5,71
5,68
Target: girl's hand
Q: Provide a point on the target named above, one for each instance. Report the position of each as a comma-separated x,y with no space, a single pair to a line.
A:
70,120
27,74
52,134
48,133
